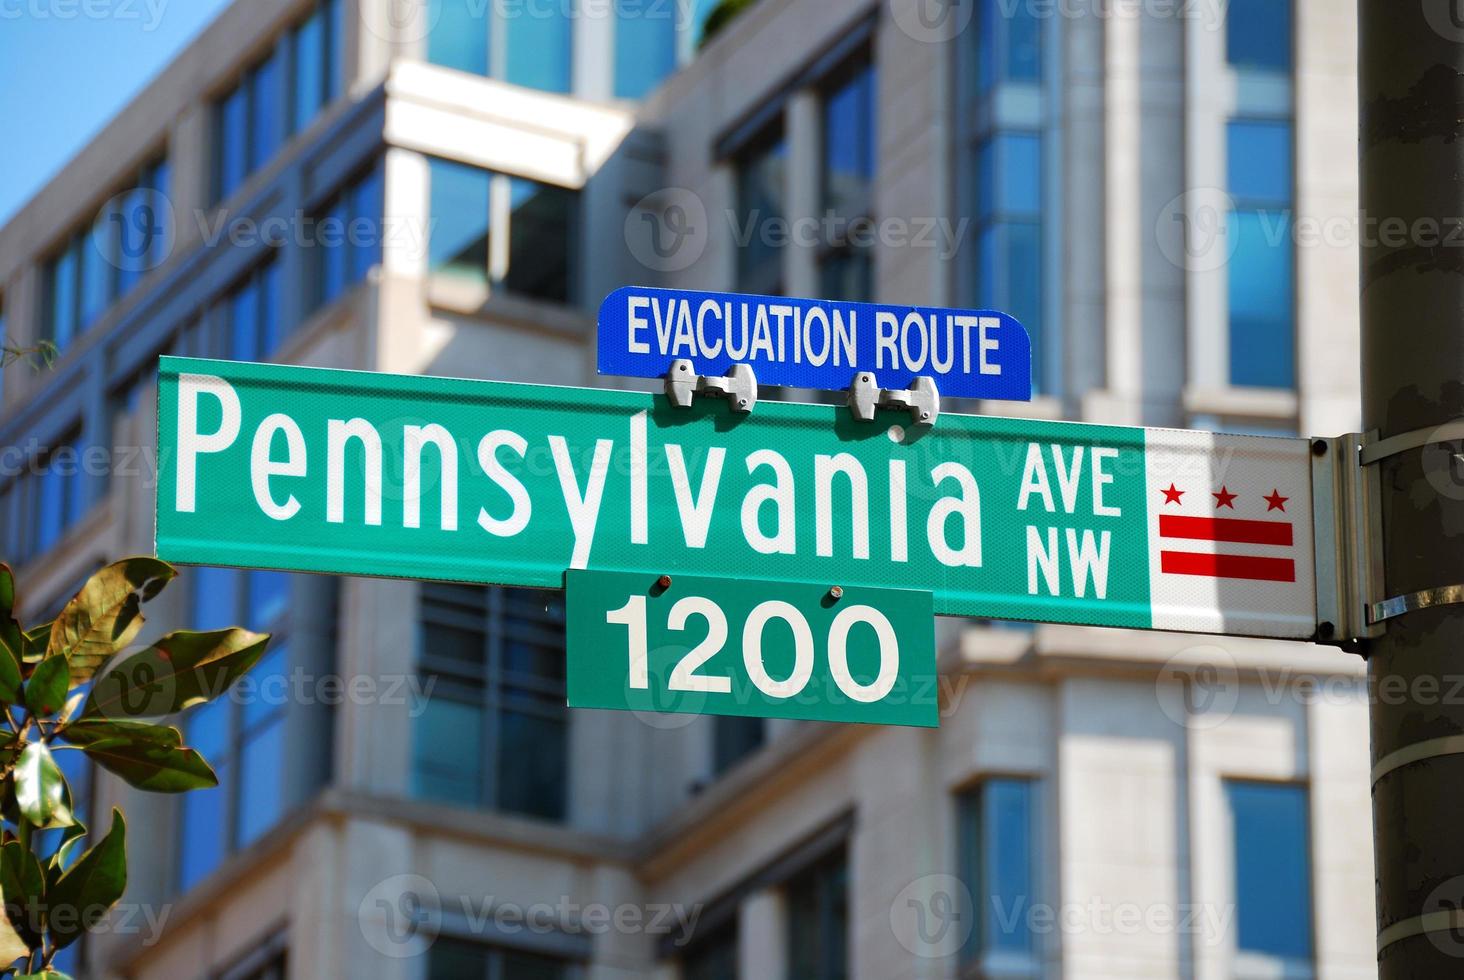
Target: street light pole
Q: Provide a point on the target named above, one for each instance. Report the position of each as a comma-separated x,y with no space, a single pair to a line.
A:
1411,88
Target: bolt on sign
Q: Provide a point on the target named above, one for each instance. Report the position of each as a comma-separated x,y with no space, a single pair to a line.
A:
358,473
748,647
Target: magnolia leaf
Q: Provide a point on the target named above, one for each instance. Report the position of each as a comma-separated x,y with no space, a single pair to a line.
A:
81,897
105,614
66,851
44,975
178,671
36,641
72,703
40,789
12,640
23,882
86,731
45,691
152,766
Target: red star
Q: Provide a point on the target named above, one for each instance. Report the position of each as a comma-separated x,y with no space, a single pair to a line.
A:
1276,502
1223,498
1172,495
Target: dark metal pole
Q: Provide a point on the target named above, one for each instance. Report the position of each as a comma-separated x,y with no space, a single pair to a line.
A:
1411,75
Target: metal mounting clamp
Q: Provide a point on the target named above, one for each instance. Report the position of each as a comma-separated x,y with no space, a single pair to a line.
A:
921,399
1448,595
739,386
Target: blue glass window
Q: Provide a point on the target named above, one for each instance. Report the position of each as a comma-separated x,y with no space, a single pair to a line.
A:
1261,272
645,45
255,315
241,733
539,45
1262,300
451,959
846,269
1258,34
761,204
459,220
309,55
713,957
1009,43
1258,162
998,861
541,229
1272,854
278,97
231,142
818,921
266,108
497,659
349,236
58,494
733,739
1009,269
459,35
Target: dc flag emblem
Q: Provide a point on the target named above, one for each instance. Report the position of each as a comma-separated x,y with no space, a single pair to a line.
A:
1230,527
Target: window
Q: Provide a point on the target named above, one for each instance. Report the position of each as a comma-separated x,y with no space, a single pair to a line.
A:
103,261
1271,846
1009,44
497,657
57,495
1259,174
818,921
348,237
645,45
847,181
253,314
472,207
243,737
713,958
455,960
997,825
1007,120
277,97
761,204
1258,34
733,739
537,41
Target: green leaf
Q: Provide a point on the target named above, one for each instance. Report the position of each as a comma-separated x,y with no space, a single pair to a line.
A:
153,767
44,975
36,641
24,883
12,640
86,731
45,691
105,614
82,896
66,851
40,789
180,670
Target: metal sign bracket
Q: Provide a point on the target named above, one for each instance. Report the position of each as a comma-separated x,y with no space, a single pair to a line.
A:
921,399
739,386
1347,525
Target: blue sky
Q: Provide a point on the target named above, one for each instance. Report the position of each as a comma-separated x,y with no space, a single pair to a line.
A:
68,66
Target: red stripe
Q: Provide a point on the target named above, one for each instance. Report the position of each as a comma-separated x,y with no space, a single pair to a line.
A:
1250,567
1224,529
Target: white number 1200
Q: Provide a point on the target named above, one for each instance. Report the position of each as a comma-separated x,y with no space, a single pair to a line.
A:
684,677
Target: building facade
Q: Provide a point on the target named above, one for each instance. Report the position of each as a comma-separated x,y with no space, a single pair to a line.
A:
449,188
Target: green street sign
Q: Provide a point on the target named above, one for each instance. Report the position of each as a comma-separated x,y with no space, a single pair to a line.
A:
356,473
752,648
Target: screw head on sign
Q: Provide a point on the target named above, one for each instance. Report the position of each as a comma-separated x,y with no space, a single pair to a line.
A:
1319,447
664,582
836,593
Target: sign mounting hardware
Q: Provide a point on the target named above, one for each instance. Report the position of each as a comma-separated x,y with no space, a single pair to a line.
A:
921,399
739,386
